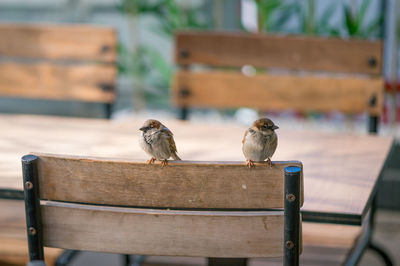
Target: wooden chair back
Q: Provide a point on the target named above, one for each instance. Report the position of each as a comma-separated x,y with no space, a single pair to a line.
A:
302,87
206,209
58,62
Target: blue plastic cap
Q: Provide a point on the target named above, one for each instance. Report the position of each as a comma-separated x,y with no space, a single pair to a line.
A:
292,169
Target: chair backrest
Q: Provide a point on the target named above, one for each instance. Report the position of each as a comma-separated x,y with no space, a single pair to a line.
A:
360,90
208,209
58,62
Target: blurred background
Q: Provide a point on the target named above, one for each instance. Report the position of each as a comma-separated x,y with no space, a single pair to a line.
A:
145,46
146,56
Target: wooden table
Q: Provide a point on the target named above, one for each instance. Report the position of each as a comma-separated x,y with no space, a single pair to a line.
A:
341,171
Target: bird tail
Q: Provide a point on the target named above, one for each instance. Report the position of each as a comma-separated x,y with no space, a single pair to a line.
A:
175,157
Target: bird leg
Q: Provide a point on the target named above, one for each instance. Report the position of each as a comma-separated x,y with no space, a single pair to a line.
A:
164,163
249,163
152,160
269,163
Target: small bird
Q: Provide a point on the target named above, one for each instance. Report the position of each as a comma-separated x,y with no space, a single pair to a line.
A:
158,142
260,141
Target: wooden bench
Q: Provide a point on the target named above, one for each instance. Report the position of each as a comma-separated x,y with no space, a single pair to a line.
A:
205,209
321,74
58,62
303,74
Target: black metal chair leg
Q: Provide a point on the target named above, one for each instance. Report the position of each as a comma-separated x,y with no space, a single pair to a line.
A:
364,239
138,260
127,259
66,257
373,124
381,252
107,110
227,262
184,113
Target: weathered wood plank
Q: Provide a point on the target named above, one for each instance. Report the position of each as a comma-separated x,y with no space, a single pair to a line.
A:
72,42
162,232
182,184
272,51
278,92
93,83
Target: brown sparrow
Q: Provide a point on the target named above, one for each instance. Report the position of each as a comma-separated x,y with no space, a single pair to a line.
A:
260,141
158,142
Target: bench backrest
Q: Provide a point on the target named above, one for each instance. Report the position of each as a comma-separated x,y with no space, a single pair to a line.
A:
299,88
208,209
58,62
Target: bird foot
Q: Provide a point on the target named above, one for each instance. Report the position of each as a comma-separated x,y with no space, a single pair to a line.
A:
152,160
249,163
269,163
164,163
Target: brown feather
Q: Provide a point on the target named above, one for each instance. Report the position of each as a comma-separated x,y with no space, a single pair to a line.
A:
244,137
172,145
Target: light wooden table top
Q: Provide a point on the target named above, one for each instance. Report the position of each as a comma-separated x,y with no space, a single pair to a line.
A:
340,170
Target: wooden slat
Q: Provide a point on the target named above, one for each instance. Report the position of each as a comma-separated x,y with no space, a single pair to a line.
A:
181,184
293,52
278,92
77,42
93,83
162,232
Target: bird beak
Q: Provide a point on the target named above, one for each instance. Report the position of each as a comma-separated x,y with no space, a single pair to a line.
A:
143,128
275,127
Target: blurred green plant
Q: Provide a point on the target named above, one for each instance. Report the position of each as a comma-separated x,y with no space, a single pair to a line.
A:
356,24
310,24
274,15
146,64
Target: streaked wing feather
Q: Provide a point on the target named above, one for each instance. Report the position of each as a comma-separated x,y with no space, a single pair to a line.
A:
171,141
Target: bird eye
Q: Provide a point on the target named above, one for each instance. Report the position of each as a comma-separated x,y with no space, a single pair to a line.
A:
264,126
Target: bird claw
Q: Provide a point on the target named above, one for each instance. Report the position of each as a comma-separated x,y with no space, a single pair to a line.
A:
152,160
164,163
269,163
249,163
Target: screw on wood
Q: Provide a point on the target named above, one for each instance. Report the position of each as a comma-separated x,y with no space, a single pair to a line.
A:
28,185
289,244
184,53
106,87
290,197
184,92
372,61
105,49
32,231
372,101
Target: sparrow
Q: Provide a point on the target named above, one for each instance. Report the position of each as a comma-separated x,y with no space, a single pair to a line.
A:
158,142
260,142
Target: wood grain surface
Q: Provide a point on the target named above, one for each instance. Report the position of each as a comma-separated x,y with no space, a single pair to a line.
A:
13,242
340,170
223,89
58,42
182,184
162,232
273,51
92,83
